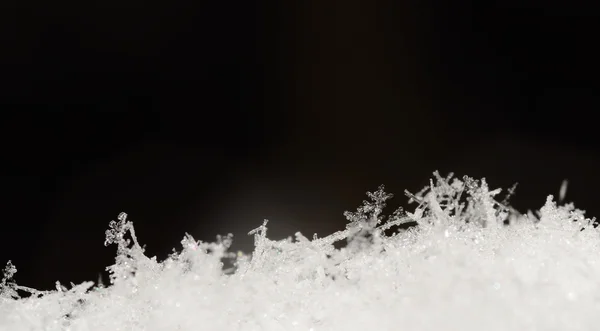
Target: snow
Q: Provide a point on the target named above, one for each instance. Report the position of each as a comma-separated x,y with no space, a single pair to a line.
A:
471,263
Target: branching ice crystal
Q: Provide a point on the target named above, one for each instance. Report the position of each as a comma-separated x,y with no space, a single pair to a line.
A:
7,287
461,249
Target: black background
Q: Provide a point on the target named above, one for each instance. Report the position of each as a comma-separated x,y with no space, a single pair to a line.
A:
207,117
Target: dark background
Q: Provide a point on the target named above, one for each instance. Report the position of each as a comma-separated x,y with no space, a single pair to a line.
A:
208,116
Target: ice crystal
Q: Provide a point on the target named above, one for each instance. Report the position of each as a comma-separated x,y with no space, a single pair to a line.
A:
7,287
469,262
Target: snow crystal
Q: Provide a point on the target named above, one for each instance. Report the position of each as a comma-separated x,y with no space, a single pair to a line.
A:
563,190
470,262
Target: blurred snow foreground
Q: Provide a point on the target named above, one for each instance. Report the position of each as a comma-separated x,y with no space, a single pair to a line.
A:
471,262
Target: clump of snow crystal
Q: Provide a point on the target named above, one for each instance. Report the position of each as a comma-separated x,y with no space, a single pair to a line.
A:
470,262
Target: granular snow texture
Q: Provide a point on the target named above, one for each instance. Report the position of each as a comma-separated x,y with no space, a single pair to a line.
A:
471,262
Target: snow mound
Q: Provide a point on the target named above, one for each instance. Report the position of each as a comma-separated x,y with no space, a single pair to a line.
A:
469,262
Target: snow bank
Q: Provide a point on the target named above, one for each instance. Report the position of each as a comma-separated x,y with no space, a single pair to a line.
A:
470,263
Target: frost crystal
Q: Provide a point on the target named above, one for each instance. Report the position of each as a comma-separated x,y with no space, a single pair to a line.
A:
563,190
8,288
461,260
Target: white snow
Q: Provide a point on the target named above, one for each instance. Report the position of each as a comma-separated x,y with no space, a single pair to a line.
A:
461,268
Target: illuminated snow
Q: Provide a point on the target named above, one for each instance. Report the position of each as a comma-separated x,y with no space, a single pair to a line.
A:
471,263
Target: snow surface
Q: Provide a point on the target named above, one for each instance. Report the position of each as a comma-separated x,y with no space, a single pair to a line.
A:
471,263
